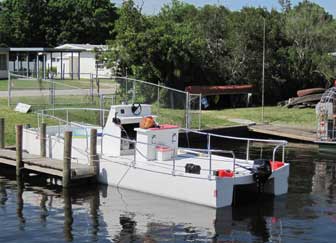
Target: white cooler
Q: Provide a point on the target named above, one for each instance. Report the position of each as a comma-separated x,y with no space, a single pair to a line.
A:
163,153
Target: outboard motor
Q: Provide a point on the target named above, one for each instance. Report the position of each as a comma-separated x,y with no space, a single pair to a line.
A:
261,170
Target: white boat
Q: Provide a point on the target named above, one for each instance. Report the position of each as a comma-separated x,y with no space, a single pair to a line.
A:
150,160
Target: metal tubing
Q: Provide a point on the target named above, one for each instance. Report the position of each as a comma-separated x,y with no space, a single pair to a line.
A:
9,89
200,112
282,142
210,162
174,161
44,66
2,133
50,64
158,97
134,155
62,65
275,149
78,65
209,142
187,111
248,150
37,67
72,66
27,64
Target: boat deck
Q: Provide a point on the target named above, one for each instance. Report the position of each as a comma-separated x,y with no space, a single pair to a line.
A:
48,166
182,158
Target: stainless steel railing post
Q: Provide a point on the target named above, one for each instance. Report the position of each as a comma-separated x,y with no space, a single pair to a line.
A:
174,161
248,151
209,143
210,163
134,158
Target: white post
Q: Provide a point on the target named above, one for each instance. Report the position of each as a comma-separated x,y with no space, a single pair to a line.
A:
9,89
37,66
248,151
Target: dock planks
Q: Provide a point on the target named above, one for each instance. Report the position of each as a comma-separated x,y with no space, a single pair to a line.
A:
46,165
305,135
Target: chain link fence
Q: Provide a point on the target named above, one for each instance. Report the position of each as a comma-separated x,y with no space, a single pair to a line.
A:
55,92
170,105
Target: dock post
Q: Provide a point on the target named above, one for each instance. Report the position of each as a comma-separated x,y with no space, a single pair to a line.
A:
19,163
67,159
43,139
19,199
68,215
2,133
94,161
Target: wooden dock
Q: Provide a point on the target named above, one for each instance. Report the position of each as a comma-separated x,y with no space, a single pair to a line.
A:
306,135
45,165
66,169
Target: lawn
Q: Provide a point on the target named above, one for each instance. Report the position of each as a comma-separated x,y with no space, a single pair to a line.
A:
22,84
301,118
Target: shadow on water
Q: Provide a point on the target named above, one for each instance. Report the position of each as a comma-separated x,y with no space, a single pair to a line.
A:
34,210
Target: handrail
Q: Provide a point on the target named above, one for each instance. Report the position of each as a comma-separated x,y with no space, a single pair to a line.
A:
73,108
277,143
210,156
182,148
75,124
274,152
236,138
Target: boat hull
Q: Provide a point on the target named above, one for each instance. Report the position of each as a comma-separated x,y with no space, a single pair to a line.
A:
160,178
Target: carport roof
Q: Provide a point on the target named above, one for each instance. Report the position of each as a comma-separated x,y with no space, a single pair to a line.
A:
220,89
41,49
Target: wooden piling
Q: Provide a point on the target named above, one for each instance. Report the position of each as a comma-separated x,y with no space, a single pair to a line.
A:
94,161
68,215
67,159
2,133
19,163
19,199
43,139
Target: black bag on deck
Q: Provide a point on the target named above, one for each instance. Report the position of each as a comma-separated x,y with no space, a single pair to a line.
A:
192,169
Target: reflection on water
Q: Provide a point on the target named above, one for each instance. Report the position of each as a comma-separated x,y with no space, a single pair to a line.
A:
30,212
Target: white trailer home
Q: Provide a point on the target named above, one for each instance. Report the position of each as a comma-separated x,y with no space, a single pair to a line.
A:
67,63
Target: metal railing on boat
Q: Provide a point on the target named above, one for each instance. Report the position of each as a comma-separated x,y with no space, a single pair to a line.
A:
209,152
277,143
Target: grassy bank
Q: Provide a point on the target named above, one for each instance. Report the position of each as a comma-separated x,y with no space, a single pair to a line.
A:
301,118
23,84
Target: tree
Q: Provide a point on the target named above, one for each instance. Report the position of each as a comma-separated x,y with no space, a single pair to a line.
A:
184,45
54,22
286,5
311,32
22,22
81,21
